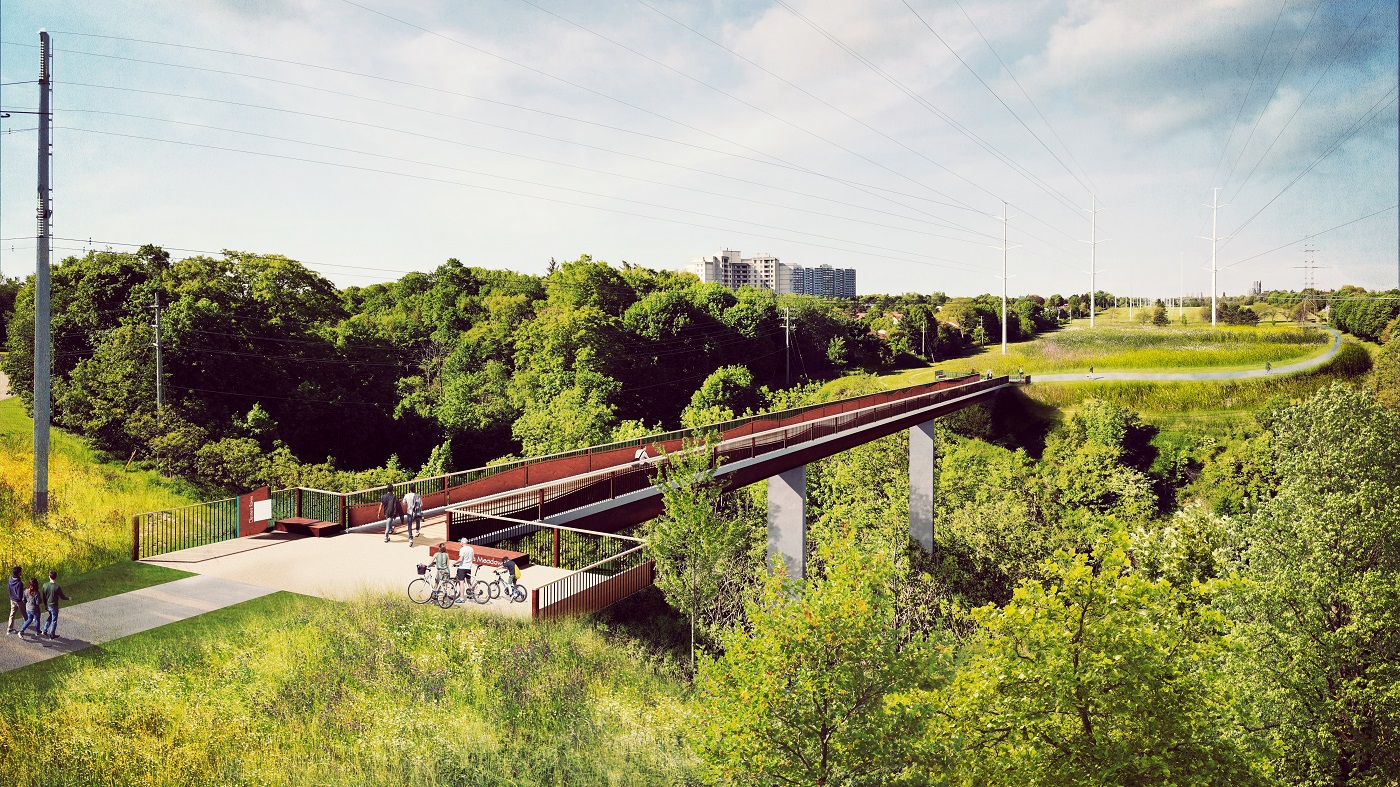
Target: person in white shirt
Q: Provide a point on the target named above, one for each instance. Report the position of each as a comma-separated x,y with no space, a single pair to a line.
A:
642,457
466,560
413,512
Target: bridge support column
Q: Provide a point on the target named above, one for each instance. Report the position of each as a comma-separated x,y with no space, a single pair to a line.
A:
923,483
787,522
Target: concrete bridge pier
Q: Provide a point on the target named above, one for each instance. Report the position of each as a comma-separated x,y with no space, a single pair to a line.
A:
923,483
787,521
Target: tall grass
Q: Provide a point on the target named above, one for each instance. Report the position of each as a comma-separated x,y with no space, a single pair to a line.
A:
1209,395
1116,348
288,690
90,502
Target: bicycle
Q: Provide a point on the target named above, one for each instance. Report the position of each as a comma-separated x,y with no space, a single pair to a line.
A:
487,591
444,593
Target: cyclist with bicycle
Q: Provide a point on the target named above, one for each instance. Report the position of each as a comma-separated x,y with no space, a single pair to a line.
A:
512,574
466,560
440,564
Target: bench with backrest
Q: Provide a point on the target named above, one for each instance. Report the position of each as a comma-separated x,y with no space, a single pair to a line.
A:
307,526
485,556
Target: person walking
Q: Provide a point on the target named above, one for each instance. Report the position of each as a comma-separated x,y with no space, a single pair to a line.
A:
1268,368
16,588
32,597
1091,372
389,508
52,594
413,512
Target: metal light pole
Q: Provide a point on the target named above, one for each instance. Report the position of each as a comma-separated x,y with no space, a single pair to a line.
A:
42,357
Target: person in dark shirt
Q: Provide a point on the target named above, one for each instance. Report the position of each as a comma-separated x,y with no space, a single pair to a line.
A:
390,509
52,593
16,588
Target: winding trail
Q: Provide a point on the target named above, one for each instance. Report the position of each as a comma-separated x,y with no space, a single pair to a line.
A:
1300,366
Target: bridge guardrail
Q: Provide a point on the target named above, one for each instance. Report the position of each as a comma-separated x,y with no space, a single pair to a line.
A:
158,532
165,531
595,586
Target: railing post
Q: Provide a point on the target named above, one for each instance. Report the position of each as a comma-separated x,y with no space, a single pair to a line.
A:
535,604
136,537
541,505
298,502
341,498
556,547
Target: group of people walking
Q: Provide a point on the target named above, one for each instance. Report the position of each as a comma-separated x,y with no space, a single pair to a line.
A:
29,599
409,509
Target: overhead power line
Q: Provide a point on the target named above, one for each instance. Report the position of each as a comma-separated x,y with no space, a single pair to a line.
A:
930,107
521,180
546,199
1313,235
1265,109
1371,114
867,189
731,96
1028,98
600,94
995,95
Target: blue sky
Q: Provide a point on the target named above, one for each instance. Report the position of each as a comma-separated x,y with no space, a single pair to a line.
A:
875,135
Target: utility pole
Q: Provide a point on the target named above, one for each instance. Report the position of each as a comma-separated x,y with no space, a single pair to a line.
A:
787,348
1005,222
160,366
1215,239
923,340
1181,274
1093,262
42,339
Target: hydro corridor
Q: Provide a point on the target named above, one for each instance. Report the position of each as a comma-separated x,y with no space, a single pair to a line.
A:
567,512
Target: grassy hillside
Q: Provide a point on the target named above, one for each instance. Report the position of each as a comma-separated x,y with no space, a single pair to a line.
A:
90,501
287,690
1123,347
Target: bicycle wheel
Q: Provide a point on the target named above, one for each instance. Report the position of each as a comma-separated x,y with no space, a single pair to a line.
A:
447,594
495,588
420,590
480,593
518,593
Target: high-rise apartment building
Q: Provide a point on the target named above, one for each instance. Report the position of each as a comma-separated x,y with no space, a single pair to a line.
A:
825,281
730,269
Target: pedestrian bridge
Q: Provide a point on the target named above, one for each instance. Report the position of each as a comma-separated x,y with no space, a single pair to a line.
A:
606,489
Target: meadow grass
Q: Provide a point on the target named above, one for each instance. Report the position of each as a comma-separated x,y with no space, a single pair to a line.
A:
90,501
1206,406
1135,348
290,690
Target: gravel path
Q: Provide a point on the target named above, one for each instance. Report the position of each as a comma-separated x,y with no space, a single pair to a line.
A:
1301,366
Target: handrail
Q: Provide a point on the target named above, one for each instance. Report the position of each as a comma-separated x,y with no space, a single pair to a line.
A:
464,506
547,526
189,505
721,426
591,567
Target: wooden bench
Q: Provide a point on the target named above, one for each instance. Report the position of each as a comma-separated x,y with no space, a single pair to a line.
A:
485,556
307,526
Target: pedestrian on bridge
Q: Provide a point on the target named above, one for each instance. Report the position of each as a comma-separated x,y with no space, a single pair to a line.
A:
413,512
391,509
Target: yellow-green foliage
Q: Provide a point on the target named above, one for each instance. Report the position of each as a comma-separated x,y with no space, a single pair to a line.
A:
288,690
90,502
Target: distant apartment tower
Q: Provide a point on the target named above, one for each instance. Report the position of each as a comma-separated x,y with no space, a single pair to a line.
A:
1256,288
825,281
730,269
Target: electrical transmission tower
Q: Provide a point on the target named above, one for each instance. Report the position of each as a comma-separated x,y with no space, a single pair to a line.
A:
1214,239
1309,269
1093,271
